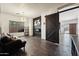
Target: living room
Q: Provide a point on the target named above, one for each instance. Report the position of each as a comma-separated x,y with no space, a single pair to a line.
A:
17,23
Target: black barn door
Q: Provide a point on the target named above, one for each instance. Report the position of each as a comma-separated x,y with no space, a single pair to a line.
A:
52,27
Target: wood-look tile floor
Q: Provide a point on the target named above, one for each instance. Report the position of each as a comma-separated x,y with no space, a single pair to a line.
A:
39,47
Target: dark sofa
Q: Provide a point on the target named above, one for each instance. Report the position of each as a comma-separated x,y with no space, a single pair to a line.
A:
9,46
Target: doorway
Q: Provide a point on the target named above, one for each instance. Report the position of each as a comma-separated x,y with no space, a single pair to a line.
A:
37,26
52,27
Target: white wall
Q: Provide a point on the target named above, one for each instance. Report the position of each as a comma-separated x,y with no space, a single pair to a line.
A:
78,26
65,24
43,27
30,27
43,22
4,19
71,15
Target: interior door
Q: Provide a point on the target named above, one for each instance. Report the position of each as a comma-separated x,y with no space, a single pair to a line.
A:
72,28
52,27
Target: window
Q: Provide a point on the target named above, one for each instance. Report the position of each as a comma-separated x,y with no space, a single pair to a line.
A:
15,26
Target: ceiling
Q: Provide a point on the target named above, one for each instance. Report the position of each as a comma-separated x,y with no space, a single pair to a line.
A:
29,9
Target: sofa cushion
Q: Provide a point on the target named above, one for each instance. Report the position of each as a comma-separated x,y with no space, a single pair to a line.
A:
5,39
